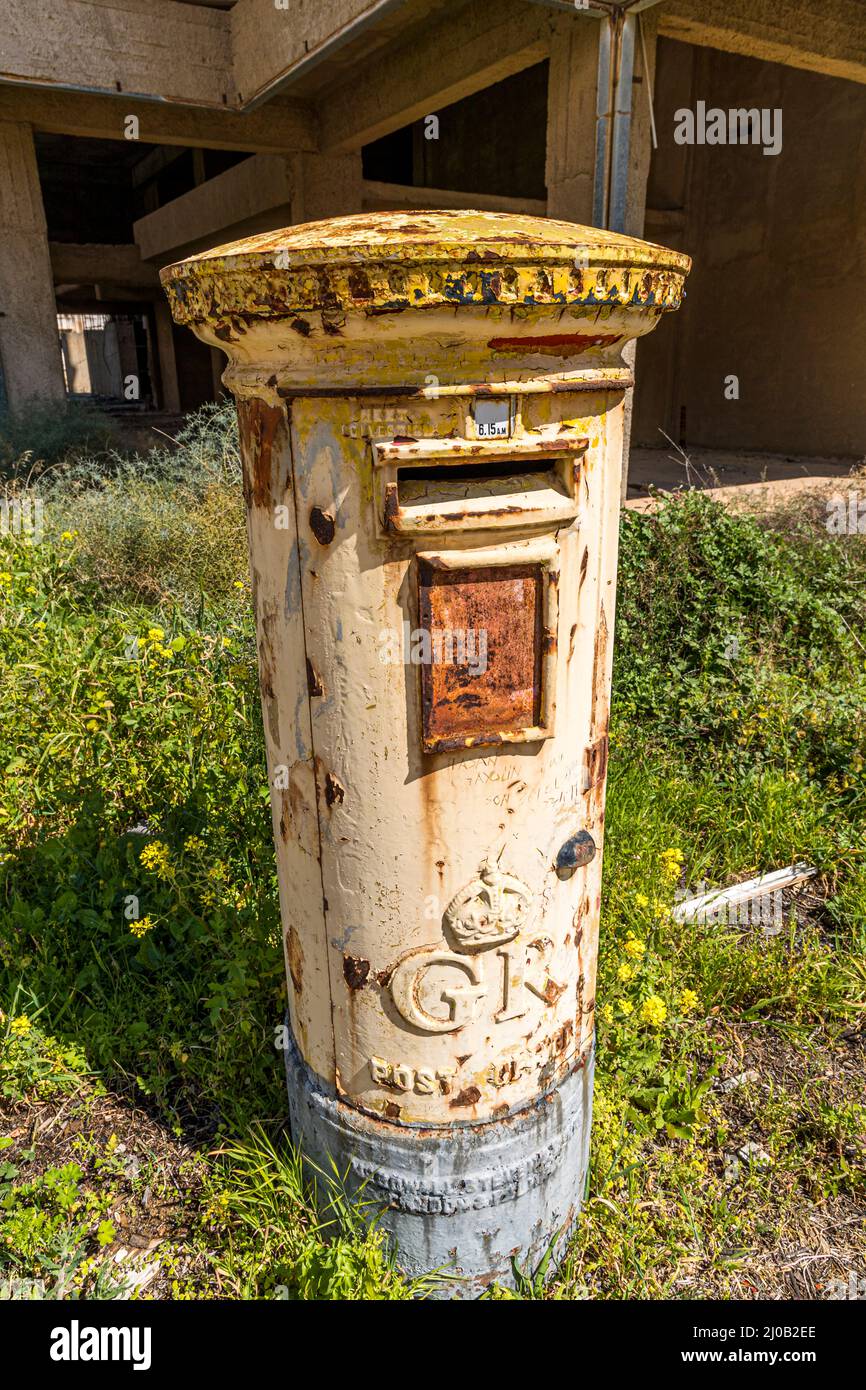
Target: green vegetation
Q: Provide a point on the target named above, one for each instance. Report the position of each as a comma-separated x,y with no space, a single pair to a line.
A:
42,435
141,978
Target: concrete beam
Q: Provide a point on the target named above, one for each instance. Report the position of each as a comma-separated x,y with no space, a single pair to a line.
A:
151,47
390,197
207,212
458,53
274,44
91,264
829,38
282,126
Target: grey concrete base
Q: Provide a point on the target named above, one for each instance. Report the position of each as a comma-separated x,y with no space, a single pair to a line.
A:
466,1199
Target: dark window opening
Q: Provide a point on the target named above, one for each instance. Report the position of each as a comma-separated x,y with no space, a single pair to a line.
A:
95,190
494,142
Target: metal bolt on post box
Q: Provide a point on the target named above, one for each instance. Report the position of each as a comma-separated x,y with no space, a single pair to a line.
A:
431,422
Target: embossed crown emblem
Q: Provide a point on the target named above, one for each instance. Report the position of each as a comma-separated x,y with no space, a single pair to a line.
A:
490,910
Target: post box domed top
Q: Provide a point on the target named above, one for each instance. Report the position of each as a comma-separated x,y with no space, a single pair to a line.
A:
392,261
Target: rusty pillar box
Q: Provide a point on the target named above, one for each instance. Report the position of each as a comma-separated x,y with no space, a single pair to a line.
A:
431,410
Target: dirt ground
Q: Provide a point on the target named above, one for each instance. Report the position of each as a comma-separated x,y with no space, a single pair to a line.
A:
743,482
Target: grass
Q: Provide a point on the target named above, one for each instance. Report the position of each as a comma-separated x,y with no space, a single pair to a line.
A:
140,965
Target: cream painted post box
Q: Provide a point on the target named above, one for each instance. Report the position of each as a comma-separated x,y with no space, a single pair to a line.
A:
431,411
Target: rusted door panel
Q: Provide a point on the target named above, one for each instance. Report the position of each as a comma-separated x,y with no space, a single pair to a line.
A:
498,614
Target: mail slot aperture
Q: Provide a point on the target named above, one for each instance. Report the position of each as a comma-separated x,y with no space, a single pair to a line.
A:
428,486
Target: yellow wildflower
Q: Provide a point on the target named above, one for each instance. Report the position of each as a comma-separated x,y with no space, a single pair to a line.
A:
635,948
671,861
641,900
193,844
156,856
688,1001
19,1026
607,1013
155,634
653,1011
142,926
625,973
626,1007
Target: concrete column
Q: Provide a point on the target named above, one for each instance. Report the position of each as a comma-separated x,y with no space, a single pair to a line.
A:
217,365
571,103
326,186
169,392
640,154
29,340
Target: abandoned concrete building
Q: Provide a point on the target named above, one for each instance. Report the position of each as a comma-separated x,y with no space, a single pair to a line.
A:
134,132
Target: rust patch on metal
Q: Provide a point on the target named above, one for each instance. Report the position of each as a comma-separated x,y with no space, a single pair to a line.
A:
470,1095
323,525
596,754
359,285
314,680
261,429
460,701
335,792
595,763
295,958
392,1110
267,665
392,507
230,330
356,971
584,562
555,344
553,991
599,678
